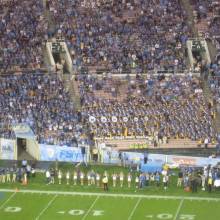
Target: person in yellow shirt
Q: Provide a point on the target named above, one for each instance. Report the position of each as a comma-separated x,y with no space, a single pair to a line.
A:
210,181
105,183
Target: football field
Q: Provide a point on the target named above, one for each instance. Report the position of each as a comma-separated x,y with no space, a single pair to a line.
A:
52,205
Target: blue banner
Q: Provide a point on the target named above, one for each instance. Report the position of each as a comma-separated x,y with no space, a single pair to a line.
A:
7,149
54,152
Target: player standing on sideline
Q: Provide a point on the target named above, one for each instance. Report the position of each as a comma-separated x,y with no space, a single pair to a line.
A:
121,177
114,179
129,180
67,178
48,179
165,182
52,176
92,175
14,175
0,175
157,179
203,177
137,182
98,179
180,179
82,178
8,176
59,176
3,175
75,177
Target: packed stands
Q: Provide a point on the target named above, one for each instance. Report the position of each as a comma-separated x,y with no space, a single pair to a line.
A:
22,34
40,101
154,106
123,36
107,37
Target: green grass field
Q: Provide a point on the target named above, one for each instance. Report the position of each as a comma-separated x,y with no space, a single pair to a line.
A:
38,200
51,205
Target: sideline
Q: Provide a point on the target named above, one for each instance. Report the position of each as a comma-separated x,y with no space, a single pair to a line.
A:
111,195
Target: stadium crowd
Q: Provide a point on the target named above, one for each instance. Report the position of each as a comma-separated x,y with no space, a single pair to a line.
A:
157,106
123,35
22,33
120,36
207,12
41,101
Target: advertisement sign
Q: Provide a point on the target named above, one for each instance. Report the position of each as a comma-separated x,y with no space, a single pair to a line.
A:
7,149
54,152
192,161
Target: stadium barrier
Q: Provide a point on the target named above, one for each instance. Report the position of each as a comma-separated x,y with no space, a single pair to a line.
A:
115,157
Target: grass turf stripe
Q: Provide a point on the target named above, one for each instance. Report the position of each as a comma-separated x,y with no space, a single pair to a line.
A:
111,195
178,210
47,206
134,209
7,200
84,217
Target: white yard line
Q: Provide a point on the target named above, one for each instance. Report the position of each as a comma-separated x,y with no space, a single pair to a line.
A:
47,206
178,210
10,197
134,209
84,217
111,195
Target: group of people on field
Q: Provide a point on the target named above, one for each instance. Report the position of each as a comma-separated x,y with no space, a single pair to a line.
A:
17,174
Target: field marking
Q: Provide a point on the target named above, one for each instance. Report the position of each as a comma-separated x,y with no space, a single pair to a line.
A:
47,206
10,197
111,195
84,217
178,210
134,209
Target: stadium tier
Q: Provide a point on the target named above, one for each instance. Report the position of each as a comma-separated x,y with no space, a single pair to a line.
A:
110,109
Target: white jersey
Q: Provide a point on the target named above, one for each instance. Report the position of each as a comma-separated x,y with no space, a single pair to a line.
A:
67,175
59,175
